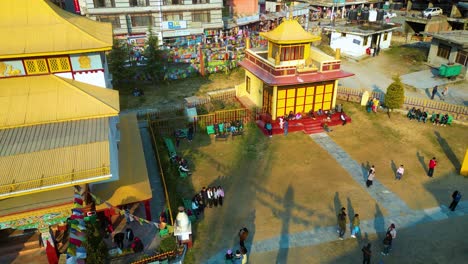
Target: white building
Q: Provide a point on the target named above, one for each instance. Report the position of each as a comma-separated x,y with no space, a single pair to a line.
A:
355,40
167,18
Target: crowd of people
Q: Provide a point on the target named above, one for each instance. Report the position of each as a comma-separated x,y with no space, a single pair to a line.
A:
208,197
436,119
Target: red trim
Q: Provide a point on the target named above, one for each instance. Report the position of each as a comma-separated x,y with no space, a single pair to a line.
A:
301,78
88,71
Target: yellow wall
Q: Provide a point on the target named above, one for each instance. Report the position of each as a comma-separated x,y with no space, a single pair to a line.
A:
464,168
256,89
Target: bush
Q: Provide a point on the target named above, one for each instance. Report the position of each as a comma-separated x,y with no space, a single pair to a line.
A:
395,96
168,244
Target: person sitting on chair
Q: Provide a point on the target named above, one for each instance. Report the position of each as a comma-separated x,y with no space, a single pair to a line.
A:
183,162
181,168
423,117
343,118
444,120
291,115
436,120
411,113
418,114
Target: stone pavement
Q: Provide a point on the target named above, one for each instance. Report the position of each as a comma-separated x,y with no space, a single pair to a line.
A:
399,213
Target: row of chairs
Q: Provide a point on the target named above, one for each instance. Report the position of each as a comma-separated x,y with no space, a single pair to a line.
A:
173,155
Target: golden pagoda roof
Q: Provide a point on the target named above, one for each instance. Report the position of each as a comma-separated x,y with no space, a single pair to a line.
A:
34,100
289,32
39,28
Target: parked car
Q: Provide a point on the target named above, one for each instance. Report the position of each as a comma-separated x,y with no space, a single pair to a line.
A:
432,11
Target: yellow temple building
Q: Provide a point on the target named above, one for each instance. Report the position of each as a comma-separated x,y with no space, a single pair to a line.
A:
59,121
290,75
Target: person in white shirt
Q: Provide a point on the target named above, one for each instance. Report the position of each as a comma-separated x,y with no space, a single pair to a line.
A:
343,118
392,231
209,194
399,173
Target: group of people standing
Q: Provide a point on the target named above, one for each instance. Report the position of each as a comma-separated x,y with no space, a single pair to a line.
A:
207,197
373,105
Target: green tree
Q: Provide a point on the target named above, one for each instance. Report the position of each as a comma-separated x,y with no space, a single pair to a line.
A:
154,64
96,249
395,96
117,59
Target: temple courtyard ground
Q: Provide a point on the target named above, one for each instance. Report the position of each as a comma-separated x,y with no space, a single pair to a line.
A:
287,191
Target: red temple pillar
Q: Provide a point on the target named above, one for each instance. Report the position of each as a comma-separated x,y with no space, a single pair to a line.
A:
147,210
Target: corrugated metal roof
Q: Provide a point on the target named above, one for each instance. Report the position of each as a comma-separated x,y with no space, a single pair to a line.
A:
50,136
43,99
38,27
55,166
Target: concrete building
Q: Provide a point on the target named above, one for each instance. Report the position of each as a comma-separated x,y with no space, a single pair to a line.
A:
449,47
167,18
356,40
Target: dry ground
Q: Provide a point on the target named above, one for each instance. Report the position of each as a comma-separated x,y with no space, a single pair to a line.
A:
436,242
387,143
273,186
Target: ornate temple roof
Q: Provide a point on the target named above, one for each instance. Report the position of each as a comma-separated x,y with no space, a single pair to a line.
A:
289,32
38,28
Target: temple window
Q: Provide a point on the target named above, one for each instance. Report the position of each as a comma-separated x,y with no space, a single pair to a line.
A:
36,66
385,36
291,52
365,41
247,84
60,64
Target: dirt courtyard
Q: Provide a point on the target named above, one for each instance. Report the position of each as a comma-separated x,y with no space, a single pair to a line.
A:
285,185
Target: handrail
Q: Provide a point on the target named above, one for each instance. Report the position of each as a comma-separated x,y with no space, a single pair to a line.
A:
161,171
67,178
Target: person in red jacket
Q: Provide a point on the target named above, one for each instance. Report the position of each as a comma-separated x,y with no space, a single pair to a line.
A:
432,165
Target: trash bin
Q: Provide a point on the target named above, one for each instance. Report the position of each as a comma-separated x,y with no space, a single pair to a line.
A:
453,70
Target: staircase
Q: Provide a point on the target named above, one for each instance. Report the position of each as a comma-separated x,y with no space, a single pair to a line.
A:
306,125
21,247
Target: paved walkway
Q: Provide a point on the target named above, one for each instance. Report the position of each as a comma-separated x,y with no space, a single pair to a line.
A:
399,212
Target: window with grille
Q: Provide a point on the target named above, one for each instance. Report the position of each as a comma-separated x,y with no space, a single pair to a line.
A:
366,39
115,20
201,16
104,3
462,58
60,64
444,51
200,1
385,36
173,2
36,66
141,21
173,16
138,2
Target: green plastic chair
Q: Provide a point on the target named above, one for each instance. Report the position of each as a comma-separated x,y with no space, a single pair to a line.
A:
449,120
210,130
433,116
182,174
221,128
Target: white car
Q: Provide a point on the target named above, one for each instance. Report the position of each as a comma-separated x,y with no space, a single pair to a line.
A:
389,15
432,11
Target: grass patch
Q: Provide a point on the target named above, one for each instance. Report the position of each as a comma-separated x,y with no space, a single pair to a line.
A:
408,53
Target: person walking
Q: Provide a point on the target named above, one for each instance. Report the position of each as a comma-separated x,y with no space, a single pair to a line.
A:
269,129
456,197
392,231
243,235
444,93
432,165
434,92
370,177
366,254
399,173
342,223
356,228
386,243
286,127
220,195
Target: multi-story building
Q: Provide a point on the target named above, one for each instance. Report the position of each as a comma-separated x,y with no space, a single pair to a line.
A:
167,18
